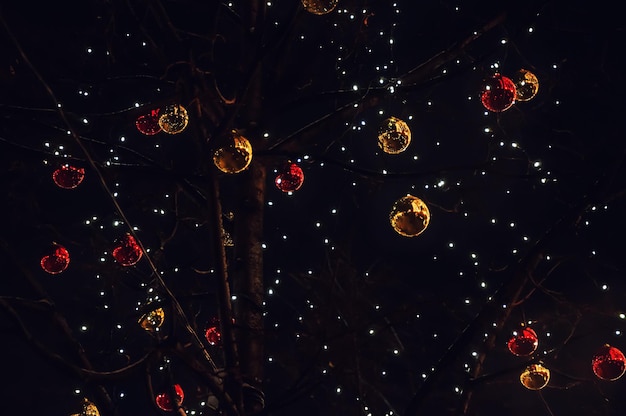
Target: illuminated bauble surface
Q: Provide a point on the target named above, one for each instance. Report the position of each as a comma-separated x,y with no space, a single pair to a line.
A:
165,403
535,377
235,156
127,252
409,216
89,409
68,177
173,119
498,93
152,320
394,136
608,363
524,342
213,335
148,124
57,261
290,178
526,85
319,7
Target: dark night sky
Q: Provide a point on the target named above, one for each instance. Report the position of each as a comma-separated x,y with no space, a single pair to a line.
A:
358,319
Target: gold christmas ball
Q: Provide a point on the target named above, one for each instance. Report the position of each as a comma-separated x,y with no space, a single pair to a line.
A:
235,156
152,320
319,7
394,136
409,216
526,85
535,377
173,119
89,409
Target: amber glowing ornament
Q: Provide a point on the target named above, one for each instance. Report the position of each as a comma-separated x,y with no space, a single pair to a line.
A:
608,363
89,409
148,124
523,342
164,401
535,377
290,178
173,119
319,7
68,176
127,252
526,85
409,216
152,320
56,261
394,136
235,156
498,93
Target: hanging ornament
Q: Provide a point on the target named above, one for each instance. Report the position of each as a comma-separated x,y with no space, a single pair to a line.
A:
526,85
173,119
152,320
148,124
213,334
89,409
608,363
319,7
409,216
535,377
128,252
57,261
165,403
498,93
235,156
290,178
523,342
394,136
68,176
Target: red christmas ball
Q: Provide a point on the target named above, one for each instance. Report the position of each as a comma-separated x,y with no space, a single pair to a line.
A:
290,178
148,124
608,363
165,403
68,177
524,342
213,335
57,261
498,93
128,252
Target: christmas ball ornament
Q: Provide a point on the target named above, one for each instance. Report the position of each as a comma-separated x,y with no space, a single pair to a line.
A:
165,403
526,85
152,320
409,216
127,252
213,335
57,261
394,136
89,409
535,377
289,178
608,363
148,124
523,342
68,177
235,156
319,7
498,93
173,119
